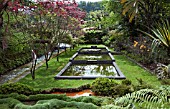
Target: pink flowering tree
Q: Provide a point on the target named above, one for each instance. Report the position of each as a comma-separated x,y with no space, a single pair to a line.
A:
48,24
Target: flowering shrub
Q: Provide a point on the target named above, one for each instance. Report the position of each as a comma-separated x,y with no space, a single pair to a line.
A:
140,50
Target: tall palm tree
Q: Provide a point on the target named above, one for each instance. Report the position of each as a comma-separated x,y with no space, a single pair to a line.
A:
146,9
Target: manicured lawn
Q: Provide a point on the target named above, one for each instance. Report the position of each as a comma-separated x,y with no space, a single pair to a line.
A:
45,78
133,71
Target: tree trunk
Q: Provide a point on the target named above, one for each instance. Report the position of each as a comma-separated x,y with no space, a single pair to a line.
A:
46,64
65,49
73,46
3,6
34,62
1,20
70,48
58,51
57,58
46,61
33,68
1,25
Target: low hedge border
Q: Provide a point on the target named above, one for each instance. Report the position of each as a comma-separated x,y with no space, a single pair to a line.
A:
87,86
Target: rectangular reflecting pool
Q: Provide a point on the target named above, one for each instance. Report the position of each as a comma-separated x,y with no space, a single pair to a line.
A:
93,50
91,63
91,70
92,57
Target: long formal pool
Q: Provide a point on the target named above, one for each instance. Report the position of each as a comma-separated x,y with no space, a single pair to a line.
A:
91,63
91,70
93,57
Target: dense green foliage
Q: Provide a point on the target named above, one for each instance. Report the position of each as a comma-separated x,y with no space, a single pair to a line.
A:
155,11
57,104
93,37
47,104
134,16
17,88
9,61
109,87
53,101
18,51
90,6
146,98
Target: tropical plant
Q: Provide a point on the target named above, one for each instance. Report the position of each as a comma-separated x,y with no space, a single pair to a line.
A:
145,12
146,9
162,71
161,35
131,7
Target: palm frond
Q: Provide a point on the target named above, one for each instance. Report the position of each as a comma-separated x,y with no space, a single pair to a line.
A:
160,36
131,7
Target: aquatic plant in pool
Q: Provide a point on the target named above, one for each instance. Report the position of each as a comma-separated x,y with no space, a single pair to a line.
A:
91,63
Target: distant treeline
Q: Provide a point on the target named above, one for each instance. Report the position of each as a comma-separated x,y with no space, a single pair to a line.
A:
90,6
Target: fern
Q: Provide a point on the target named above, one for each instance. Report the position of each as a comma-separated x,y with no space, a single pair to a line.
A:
112,106
146,98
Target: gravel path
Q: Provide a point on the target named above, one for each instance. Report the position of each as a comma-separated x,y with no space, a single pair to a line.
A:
20,72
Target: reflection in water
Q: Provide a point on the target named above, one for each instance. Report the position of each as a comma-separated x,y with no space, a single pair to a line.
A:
91,70
93,50
93,57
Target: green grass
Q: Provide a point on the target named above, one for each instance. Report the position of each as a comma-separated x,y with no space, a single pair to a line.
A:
45,78
4,106
133,71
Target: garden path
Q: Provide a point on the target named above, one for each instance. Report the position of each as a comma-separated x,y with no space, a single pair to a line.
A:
20,72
